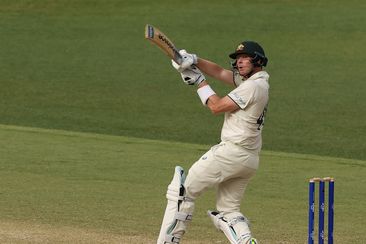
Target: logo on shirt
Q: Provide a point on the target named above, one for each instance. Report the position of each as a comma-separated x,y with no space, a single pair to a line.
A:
239,100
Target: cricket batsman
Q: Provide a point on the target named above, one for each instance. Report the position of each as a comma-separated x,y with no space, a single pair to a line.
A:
229,165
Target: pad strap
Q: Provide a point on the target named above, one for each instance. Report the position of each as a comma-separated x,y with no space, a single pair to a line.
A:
188,199
244,237
237,220
183,216
171,239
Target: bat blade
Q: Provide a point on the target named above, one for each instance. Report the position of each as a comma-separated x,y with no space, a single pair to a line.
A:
163,42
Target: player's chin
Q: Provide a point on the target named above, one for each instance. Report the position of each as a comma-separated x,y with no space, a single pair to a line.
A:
243,72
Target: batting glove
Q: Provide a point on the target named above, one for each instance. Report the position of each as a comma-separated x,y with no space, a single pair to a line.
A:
192,76
188,60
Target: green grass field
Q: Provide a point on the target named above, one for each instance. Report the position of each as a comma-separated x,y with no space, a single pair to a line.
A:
85,66
93,118
113,187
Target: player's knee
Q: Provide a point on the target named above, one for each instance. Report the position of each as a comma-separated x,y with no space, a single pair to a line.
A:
192,187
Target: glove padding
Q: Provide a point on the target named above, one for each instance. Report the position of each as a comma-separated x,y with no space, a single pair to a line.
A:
188,60
192,76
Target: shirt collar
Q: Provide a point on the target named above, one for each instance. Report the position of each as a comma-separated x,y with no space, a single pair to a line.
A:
260,74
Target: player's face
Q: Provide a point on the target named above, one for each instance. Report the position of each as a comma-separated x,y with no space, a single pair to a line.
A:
244,64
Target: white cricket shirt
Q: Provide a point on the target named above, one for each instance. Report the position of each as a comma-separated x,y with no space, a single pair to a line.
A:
243,126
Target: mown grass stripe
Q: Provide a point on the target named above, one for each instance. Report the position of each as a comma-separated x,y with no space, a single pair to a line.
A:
151,141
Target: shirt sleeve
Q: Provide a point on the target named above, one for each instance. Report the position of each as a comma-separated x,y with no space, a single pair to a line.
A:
243,94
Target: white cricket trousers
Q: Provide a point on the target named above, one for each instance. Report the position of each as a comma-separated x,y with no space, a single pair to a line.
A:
226,166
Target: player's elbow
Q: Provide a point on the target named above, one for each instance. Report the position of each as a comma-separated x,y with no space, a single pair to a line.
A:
215,110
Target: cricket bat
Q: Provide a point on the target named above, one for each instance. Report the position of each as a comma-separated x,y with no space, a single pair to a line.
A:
162,41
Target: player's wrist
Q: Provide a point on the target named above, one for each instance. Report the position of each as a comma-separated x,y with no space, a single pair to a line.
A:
205,92
203,83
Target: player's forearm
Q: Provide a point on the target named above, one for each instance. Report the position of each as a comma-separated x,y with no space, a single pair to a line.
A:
215,103
215,71
208,67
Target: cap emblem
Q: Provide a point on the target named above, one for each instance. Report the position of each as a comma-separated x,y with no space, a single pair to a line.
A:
240,47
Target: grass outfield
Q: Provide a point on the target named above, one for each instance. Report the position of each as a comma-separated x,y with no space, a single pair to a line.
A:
83,65
68,187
